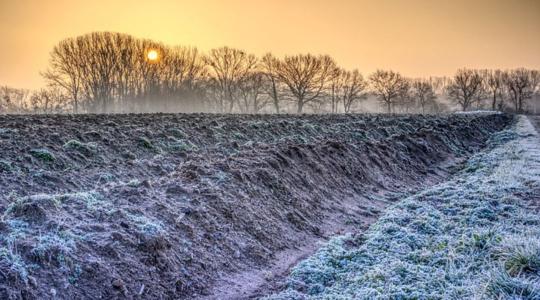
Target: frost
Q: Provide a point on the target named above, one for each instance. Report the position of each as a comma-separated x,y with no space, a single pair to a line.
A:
86,149
473,236
43,154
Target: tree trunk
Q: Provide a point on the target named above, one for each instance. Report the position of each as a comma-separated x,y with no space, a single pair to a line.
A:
300,106
465,105
275,96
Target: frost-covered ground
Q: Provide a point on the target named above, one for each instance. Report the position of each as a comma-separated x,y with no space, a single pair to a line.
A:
173,206
476,236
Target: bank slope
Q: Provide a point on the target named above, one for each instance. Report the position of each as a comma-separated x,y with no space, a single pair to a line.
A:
476,236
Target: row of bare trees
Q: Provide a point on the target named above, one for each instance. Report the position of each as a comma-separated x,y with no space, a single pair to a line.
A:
111,72
470,87
103,72
20,101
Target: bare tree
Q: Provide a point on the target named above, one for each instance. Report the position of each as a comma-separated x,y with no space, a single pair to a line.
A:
521,85
13,100
111,72
387,86
65,71
228,68
105,71
493,80
335,86
48,101
465,88
270,66
424,94
251,92
305,76
405,100
353,88
180,73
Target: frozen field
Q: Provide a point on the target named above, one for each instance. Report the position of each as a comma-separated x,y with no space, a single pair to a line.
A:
222,206
476,236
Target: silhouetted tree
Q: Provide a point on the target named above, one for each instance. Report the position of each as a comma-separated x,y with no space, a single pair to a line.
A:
493,80
521,85
305,76
228,67
48,101
251,90
65,70
13,100
353,88
106,71
465,88
387,86
335,86
110,72
405,100
270,66
424,94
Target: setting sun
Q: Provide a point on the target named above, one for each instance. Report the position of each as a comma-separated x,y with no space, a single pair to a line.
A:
152,55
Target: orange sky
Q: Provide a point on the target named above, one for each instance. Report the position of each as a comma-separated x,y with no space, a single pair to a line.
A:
417,38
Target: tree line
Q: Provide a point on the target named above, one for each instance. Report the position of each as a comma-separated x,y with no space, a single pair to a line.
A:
105,72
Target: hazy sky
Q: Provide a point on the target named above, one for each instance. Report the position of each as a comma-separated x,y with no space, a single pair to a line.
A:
417,38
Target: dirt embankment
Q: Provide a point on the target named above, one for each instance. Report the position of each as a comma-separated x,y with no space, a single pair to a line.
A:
171,206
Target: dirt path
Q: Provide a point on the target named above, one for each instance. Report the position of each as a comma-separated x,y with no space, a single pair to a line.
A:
257,283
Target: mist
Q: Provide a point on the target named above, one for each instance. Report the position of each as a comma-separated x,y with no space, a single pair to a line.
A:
107,72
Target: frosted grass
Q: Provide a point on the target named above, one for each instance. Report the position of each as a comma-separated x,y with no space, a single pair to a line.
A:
472,237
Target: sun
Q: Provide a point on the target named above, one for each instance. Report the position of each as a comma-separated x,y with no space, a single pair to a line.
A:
152,55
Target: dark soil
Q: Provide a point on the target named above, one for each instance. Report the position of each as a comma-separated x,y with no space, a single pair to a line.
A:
163,206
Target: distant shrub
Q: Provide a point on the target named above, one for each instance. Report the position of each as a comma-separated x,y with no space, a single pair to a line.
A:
43,154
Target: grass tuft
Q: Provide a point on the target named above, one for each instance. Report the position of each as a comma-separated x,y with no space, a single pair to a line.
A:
86,149
43,155
146,143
